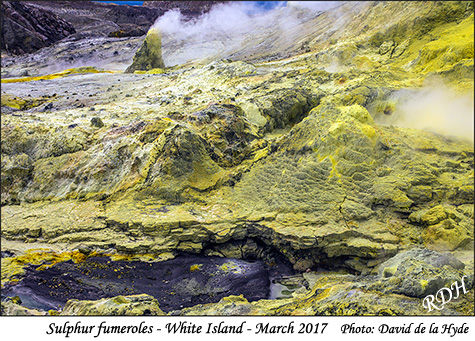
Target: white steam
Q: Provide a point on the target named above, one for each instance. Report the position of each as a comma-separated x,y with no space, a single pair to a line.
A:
437,109
222,19
315,5
226,28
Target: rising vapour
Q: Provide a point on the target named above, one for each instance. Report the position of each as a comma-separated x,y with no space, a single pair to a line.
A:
435,108
315,5
224,29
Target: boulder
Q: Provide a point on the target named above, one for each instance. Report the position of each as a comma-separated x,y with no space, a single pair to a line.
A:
420,272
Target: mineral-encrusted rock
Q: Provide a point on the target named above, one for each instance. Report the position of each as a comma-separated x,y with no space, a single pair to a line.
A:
26,28
227,306
133,305
13,309
149,56
421,272
97,122
444,227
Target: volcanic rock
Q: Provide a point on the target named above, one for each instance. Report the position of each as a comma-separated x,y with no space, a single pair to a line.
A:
188,8
26,28
132,305
181,282
149,56
93,19
420,272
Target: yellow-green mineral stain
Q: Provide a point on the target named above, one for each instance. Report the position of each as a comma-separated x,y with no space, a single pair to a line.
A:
196,267
149,56
68,72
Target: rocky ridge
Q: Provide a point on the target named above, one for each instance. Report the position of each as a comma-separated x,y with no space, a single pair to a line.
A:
95,19
194,8
26,28
288,157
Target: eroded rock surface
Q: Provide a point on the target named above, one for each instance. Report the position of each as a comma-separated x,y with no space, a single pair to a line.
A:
132,305
434,271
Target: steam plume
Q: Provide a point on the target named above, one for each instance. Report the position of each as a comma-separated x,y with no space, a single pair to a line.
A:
435,108
222,31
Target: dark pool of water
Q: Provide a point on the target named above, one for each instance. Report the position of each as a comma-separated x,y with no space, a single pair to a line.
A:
181,282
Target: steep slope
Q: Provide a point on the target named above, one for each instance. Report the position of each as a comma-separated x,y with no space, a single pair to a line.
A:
92,19
26,28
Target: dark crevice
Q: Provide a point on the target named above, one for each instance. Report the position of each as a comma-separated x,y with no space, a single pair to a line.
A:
289,107
341,212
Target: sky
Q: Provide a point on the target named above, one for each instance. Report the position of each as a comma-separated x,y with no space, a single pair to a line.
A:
138,3
263,4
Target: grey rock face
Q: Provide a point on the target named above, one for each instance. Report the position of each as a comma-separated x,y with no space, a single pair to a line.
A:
420,272
186,7
26,28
